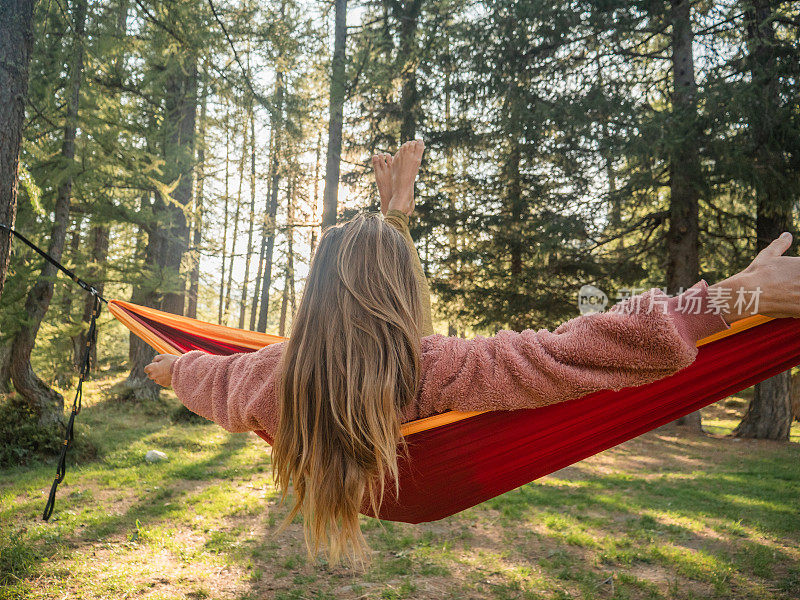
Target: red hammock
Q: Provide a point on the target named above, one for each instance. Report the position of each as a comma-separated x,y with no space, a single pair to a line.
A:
473,457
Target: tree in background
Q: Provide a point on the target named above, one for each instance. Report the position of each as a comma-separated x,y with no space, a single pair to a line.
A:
686,177
774,150
16,42
176,32
337,92
47,403
618,144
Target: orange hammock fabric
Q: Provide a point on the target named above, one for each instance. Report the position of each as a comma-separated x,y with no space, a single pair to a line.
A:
457,459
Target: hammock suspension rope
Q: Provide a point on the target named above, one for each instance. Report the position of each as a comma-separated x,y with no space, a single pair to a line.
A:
91,342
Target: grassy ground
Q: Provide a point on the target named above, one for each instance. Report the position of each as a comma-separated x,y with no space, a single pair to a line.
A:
667,515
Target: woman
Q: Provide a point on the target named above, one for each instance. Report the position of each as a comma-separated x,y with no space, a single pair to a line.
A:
354,368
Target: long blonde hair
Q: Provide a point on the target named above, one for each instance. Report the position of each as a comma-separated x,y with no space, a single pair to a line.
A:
349,366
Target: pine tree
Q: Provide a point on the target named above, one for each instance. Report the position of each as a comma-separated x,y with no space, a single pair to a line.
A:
16,42
251,214
686,177
171,61
269,230
776,185
46,402
336,99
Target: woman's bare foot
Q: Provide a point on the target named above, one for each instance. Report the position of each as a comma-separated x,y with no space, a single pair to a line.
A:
405,168
382,163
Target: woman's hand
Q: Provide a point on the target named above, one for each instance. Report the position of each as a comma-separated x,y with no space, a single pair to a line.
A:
772,278
160,370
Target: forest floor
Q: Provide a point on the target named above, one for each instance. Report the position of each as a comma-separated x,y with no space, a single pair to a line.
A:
667,515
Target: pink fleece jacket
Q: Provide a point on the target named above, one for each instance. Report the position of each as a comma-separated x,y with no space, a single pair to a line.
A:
637,341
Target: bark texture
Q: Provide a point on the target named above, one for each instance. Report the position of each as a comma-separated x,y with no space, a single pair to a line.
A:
16,42
272,207
769,414
330,197
683,235
180,117
49,404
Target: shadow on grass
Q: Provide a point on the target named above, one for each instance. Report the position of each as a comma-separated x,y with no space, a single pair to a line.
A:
196,472
27,543
622,519
588,523
590,527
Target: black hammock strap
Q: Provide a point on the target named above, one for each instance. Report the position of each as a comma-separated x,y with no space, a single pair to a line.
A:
91,340
61,467
54,262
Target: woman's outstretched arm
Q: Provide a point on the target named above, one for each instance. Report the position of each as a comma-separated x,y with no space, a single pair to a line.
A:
641,340
399,221
238,392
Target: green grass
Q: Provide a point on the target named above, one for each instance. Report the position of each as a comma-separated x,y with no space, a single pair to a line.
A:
664,516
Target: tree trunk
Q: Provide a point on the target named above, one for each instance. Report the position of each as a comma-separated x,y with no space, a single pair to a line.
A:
288,284
68,295
138,386
259,277
236,218
262,253
180,123
197,235
769,415
49,404
452,230
515,208
251,225
16,42
284,303
409,100
315,196
96,276
683,235
330,196
292,297
221,312
168,235
5,368
272,208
